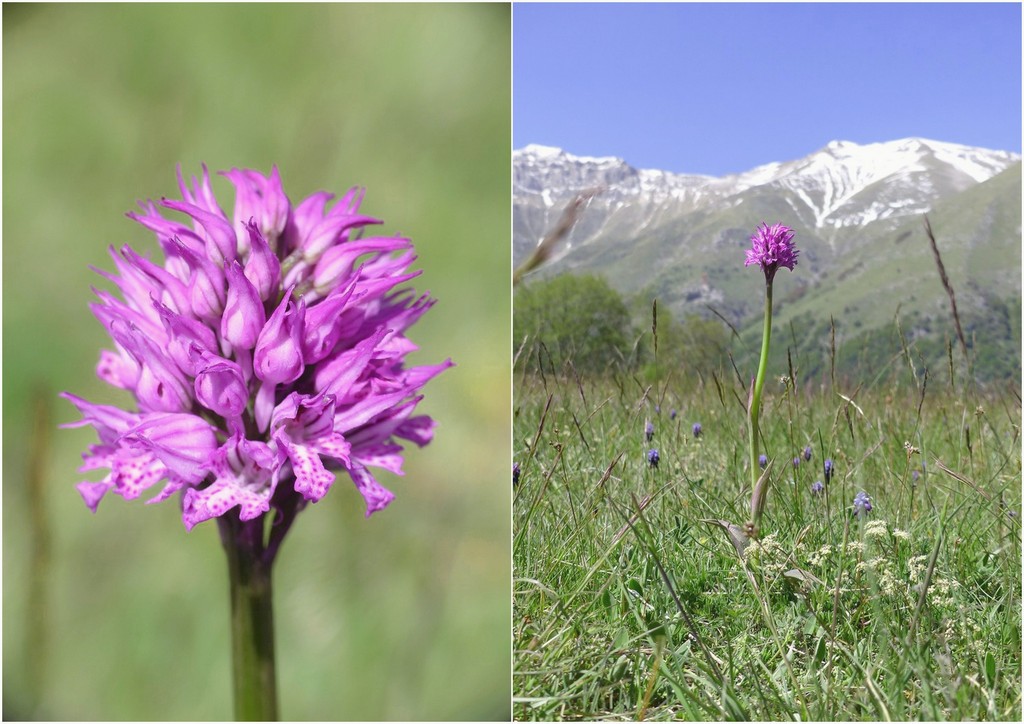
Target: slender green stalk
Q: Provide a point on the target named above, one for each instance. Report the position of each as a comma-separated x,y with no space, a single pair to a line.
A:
252,624
755,397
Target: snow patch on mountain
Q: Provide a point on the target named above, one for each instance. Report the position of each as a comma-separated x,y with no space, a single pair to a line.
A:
842,184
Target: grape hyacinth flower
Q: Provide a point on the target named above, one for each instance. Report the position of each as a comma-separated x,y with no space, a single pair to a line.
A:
697,429
762,461
817,487
515,473
653,458
796,462
265,354
807,453
649,430
861,503
672,414
828,470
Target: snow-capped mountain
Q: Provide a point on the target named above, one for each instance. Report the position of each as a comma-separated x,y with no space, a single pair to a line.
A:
843,184
856,210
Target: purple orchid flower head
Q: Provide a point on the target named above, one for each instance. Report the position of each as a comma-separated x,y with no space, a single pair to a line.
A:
770,248
265,354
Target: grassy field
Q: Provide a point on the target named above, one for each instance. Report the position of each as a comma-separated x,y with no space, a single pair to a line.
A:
628,605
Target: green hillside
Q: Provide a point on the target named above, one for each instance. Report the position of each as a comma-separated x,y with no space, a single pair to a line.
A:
861,277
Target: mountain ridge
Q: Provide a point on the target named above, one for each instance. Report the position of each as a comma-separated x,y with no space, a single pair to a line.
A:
856,210
842,170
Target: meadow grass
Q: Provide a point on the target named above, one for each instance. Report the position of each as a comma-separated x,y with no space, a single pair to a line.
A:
629,604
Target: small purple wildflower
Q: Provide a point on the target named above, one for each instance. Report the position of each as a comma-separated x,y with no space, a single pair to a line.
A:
649,430
817,487
796,462
672,414
807,453
265,353
828,470
515,473
653,458
861,503
762,460
915,475
697,429
770,248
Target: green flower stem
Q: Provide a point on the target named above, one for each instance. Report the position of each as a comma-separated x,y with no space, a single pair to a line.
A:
252,622
755,396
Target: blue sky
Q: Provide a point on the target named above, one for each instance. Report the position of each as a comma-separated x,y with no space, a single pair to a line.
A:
718,88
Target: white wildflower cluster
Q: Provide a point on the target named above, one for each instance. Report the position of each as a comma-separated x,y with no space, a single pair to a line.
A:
876,529
819,556
870,564
877,532
888,583
916,565
941,592
880,569
770,555
868,557
963,635
900,534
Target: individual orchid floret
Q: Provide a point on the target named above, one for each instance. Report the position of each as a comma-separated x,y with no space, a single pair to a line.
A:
265,354
243,317
770,248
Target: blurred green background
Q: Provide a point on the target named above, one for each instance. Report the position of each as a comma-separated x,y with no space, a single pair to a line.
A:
123,615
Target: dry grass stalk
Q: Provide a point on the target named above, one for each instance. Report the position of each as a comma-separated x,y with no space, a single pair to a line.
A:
571,214
946,285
